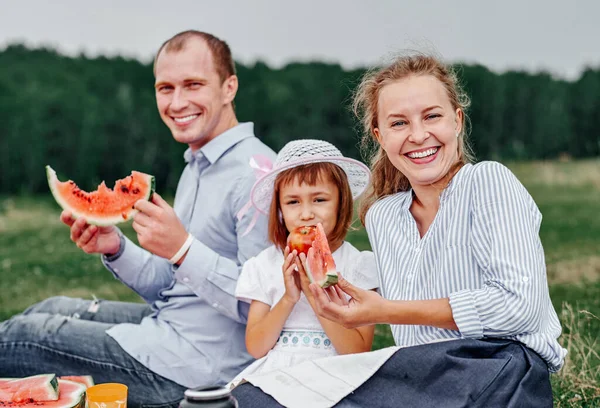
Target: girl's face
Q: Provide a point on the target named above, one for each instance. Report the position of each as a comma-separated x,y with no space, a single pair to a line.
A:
303,204
418,128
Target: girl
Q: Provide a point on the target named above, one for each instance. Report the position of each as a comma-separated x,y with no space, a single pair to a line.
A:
459,254
310,182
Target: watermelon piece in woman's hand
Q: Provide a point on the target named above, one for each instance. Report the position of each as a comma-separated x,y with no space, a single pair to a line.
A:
104,206
320,266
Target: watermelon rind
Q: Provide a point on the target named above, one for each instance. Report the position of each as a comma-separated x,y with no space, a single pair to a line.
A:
47,390
75,397
86,380
95,220
330,280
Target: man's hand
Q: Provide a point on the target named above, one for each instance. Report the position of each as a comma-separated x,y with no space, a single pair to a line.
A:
158,228
92,239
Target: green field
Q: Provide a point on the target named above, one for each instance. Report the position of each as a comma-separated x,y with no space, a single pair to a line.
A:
37,260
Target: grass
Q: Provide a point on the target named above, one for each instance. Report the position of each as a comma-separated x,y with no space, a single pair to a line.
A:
37,260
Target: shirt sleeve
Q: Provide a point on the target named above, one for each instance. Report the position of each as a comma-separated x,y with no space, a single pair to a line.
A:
144,273
251,285
214,277
508,250
363,271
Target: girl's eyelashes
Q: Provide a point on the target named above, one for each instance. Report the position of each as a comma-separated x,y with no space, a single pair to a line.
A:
316,200
398,123
433,116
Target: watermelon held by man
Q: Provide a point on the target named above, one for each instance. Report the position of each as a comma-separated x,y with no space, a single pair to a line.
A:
105,206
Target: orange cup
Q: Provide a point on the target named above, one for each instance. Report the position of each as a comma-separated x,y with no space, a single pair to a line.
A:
108,395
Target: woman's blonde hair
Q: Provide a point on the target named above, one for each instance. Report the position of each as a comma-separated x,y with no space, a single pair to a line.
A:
387,179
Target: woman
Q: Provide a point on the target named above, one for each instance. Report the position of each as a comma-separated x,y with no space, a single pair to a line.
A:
458,253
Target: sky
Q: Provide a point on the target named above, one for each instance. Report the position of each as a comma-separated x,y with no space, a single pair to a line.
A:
559,37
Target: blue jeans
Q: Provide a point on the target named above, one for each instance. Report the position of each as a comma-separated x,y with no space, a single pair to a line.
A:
67,336
461,373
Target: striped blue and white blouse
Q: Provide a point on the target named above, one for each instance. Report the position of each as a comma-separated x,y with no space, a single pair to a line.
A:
482,251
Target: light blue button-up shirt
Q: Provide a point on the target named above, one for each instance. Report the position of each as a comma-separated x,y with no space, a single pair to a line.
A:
195,335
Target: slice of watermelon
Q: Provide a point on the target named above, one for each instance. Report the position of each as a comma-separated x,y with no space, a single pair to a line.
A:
319,262
71,395
104,206
43,387
86,380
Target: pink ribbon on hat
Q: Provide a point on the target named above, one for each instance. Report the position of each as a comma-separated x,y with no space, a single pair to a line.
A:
262,165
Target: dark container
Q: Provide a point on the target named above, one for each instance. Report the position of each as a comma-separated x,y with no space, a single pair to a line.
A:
208,397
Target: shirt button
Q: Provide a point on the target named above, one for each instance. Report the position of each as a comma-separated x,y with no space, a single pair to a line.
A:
116,270
525,279
215,305
186,279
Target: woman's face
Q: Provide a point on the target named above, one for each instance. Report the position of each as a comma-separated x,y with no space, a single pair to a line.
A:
418,127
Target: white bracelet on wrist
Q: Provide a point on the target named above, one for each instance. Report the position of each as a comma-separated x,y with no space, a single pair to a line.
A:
186,245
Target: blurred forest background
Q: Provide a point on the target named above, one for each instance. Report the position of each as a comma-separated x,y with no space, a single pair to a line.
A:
96,118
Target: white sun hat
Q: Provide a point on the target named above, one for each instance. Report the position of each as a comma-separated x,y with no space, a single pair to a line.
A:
306,151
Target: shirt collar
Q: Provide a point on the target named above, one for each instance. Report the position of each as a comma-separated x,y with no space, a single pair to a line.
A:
456,180
220,144
454,183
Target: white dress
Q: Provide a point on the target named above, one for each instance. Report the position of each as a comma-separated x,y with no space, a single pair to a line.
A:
302,337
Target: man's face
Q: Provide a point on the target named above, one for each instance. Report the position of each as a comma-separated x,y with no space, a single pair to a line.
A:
190,97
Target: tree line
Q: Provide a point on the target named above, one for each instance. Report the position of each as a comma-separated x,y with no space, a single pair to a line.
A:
95,119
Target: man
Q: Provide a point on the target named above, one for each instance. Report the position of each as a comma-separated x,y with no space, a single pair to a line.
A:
191,330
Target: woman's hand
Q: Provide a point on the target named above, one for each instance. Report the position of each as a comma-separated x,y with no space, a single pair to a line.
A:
364,308
334,292
290,276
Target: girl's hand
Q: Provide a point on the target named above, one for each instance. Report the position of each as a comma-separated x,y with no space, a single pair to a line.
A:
290,276
364,308
300,260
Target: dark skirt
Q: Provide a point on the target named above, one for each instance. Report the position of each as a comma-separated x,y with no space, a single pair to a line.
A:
461,373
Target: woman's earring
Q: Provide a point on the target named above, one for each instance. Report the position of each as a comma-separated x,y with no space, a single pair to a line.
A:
457,135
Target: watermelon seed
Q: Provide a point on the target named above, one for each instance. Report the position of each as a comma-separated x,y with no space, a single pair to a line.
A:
136,190
124,188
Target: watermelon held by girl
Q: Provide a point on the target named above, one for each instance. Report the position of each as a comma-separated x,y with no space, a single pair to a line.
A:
320,266
104,206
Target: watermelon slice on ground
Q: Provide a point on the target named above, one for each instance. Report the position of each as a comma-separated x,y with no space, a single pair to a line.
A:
86,380
104,206
71,395
320,264
42,387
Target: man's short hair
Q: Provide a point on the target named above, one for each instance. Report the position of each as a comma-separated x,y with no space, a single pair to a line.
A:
221,53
